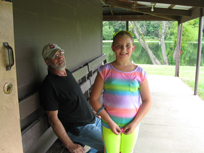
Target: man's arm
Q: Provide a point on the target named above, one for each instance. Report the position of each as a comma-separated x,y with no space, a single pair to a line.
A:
60,131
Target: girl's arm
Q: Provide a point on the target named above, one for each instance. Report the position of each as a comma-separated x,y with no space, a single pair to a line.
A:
95,103
144,108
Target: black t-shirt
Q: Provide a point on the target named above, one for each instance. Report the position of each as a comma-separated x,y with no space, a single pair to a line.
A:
65,95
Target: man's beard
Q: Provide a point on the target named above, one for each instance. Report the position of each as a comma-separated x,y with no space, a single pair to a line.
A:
59,67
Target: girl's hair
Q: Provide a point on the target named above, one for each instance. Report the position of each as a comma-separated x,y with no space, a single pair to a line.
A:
122,33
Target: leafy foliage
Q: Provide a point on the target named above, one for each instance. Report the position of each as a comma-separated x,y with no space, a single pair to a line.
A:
151,30
189,35
109,28
108,33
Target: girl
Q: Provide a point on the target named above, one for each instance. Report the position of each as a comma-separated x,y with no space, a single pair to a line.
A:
123,83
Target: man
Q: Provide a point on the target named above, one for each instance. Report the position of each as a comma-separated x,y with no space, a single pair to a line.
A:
68,112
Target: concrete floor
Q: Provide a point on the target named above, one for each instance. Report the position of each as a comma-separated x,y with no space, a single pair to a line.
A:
175,122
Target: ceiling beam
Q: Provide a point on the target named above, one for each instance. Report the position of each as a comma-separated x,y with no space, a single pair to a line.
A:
132,18
111,10
172,5
161,11
195,14
166,11
130,6
197,3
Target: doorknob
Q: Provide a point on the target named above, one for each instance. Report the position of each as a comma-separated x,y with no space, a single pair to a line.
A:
10,56
8,88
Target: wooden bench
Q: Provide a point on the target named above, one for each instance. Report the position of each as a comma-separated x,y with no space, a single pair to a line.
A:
43,139
81,76
93,66
39,137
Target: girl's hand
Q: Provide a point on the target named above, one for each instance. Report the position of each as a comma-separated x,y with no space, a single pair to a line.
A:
115,128
129,128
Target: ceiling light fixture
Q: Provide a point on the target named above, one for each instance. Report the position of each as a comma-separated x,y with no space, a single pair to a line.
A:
152,7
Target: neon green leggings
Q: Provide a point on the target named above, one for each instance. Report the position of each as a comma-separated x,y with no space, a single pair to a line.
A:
119,143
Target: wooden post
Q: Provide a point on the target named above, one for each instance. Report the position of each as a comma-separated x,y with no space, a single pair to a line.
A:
199,51
178,47
127,25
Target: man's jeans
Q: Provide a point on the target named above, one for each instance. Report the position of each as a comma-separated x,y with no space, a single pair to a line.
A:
90,135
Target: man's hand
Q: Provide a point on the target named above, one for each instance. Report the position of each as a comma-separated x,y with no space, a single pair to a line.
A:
76,148
62,134
96,114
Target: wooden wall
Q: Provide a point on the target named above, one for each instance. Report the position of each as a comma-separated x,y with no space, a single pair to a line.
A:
76,26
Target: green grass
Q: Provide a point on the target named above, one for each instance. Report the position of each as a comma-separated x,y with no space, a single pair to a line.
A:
186,73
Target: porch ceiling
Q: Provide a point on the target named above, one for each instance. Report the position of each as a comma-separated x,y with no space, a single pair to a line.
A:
151,10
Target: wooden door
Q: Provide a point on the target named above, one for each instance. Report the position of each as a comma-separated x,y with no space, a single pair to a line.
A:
10,133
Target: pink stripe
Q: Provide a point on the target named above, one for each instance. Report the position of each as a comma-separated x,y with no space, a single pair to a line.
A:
128,76
121,112
117,74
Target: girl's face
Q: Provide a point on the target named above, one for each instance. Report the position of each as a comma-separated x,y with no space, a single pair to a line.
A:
123,47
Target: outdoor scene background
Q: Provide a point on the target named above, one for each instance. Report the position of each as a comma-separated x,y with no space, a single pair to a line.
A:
140,56
152,32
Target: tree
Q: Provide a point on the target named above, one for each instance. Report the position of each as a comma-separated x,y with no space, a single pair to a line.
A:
118,25
108,31
189,35
140,37
110,27
158,31
163,46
